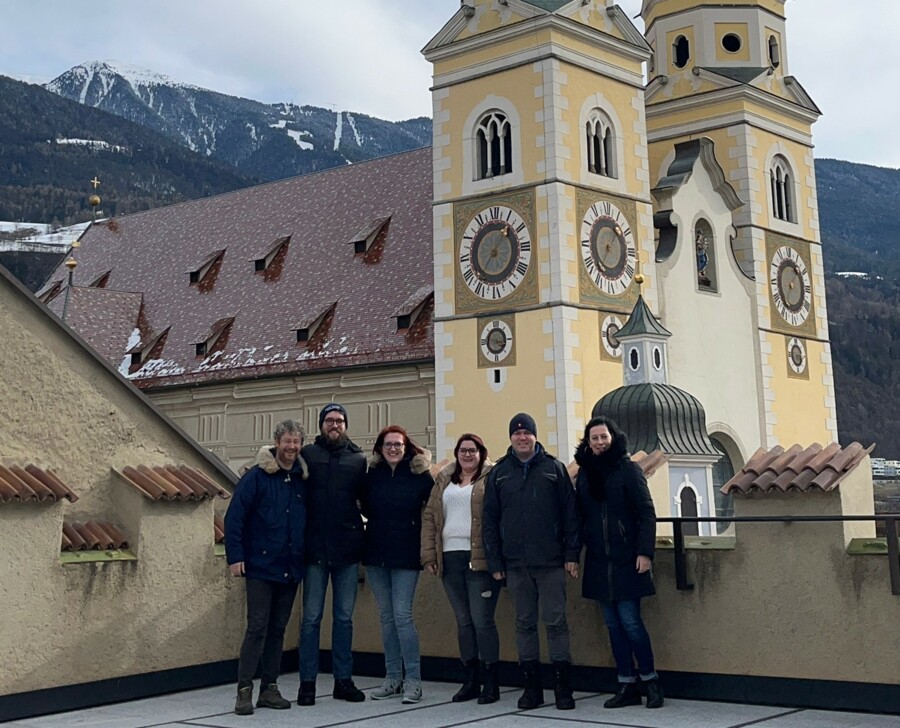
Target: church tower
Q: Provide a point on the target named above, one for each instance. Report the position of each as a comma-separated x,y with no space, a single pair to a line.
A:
719,75
542,212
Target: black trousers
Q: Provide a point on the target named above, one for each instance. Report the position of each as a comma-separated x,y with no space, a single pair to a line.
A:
269,606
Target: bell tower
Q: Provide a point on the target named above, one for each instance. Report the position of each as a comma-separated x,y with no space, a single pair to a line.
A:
719,73
542,212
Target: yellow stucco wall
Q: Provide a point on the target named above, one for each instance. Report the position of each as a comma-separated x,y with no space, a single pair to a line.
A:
670,7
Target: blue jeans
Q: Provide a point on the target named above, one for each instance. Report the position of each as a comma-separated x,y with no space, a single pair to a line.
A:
394,590
344,580
630,640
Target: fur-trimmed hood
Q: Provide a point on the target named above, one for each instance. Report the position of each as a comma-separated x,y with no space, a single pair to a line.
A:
418,463
265,458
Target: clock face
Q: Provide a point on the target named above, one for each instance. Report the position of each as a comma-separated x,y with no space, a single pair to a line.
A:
607,248
796,352
609,328
790,284
496,341
495,253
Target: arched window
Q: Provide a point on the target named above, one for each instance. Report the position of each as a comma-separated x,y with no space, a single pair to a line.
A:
688,509
782,189
774,52
493,139
601,144
722,472
681,51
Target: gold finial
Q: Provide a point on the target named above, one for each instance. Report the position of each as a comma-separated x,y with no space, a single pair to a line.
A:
94,200
71,263
95,183
639,278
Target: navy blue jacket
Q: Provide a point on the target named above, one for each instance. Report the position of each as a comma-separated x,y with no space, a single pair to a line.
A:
266,520
392,502
529,513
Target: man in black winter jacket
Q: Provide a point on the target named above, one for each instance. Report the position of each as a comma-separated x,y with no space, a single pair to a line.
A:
530,532
334,543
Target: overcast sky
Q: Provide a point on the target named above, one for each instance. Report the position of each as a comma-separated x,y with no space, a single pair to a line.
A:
363,55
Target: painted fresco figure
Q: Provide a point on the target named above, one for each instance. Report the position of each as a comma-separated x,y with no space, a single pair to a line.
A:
334,545
618,523
530,533
398,484
264,542
452,548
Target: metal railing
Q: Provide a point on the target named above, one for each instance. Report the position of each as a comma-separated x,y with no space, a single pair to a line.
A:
890,527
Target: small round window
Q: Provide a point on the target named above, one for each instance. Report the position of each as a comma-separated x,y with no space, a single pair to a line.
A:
634,359
657,358
732,42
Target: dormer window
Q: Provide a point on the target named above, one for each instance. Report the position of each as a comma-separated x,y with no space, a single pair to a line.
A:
493,141
263,261
205,273
363,240
215,339
51,292
317,320
143,351
101,281
412,308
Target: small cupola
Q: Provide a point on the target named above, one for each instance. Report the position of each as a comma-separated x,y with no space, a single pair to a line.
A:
644,340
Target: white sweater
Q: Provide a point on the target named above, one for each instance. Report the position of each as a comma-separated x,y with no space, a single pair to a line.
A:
457,533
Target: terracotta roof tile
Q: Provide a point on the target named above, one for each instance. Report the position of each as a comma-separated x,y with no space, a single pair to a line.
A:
151,251
219,528
32,483
803,469
171,482
92,536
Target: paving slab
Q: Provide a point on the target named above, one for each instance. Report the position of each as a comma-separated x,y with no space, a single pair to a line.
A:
831,719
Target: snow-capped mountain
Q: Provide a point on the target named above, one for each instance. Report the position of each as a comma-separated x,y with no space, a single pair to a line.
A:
266,141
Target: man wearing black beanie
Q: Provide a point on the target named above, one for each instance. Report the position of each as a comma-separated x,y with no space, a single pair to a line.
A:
530,533
334,542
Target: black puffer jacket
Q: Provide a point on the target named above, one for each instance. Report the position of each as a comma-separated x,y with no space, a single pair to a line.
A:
392,502
334,527
529,513
618,523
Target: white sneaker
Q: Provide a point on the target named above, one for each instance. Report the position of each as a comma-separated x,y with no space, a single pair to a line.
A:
412,691
392,687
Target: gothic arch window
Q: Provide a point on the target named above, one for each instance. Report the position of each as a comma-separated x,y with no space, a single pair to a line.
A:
493,142
601,144
774,52
705,256
681,51
688,508
781,184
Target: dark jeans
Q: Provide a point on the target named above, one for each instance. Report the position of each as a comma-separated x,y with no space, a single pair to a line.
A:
344,582
541,588
269,605
629,639
473,596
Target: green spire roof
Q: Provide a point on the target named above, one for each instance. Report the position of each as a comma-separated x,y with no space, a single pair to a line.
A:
551,6
642,322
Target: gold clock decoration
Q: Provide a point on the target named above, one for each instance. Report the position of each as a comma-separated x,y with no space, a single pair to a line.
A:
496,342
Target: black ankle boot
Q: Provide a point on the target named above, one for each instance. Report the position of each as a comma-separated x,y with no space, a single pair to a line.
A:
562,689
654,694
471,684
490,692
346,690
243,705
533,696
307,693
627,694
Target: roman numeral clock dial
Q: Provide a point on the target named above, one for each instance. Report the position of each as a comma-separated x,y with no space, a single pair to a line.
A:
607,248
495,253
790,285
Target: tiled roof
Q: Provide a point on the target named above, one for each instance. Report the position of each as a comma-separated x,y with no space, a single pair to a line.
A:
110,315
798,468
92,536
219,528
171,482
152,252
32,483
648,464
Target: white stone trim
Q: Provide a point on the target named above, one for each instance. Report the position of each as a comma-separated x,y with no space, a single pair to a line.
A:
443,392
472,186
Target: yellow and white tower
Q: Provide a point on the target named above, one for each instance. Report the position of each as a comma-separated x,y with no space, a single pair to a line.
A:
719,74
542,212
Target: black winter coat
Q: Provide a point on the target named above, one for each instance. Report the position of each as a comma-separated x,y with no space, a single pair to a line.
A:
618,523
334,530
265,521
529,516
392,504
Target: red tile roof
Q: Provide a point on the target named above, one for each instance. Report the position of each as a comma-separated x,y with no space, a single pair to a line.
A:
171,482
92,536
798,468
32,483
151,252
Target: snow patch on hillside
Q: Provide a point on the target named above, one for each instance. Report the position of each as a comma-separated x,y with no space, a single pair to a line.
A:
338,130
93,143
352,123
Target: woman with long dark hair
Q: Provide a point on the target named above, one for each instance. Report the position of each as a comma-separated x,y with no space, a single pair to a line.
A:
397,486
453,550
618,523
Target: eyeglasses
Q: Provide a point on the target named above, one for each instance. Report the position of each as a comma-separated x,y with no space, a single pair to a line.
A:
392,446
468,450
333,421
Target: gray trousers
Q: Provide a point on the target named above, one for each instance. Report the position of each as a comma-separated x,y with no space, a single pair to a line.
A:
544,589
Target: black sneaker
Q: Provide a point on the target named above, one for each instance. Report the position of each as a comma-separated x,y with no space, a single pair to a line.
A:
346,690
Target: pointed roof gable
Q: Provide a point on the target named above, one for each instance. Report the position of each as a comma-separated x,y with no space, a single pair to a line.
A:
642,323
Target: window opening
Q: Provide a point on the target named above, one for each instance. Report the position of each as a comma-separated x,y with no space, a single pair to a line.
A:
494,141
732,42
681,51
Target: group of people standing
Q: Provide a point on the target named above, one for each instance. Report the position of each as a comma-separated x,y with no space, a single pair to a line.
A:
310,513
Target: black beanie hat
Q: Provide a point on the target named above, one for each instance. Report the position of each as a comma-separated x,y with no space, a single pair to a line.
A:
522,421
333,407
